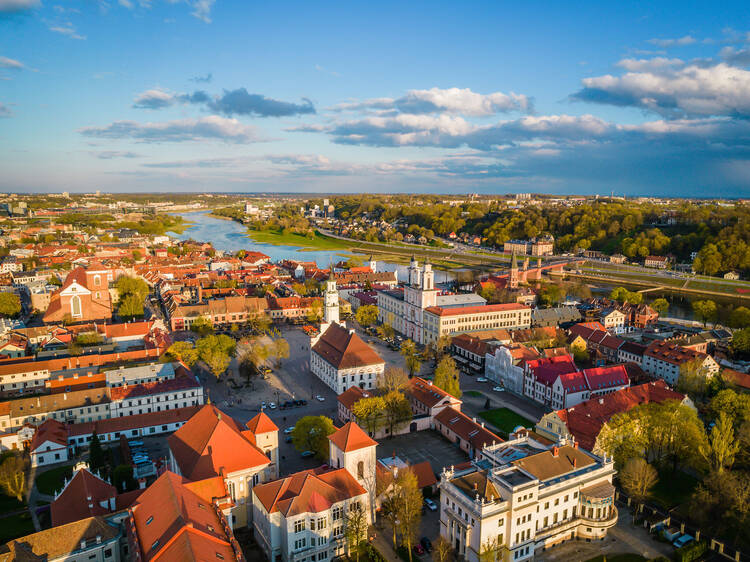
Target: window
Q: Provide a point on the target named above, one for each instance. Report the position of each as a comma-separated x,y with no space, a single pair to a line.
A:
300,543
108,553
322,522
337,513
149,520
219,556
299,526
360,470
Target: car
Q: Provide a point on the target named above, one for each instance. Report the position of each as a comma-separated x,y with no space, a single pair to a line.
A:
300,402
426,544
289,404
418,549
320,398
431,505
288,439
682,541
263,405
306,454
482,379
272,405
289,429
498,389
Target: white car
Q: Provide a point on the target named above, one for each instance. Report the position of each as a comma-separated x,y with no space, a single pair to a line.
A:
320,398
272,405
288,430
481,379
498,389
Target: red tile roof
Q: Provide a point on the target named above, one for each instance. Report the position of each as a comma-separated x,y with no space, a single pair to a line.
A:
351,396
345,350
309,491
427,393
672,353
547,369
351,437
136,421
586,419
82,498
600,378
211,443
184,382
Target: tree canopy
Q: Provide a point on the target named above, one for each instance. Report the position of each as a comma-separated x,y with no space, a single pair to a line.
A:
311,434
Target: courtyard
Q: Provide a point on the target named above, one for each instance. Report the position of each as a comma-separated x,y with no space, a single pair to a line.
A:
422,446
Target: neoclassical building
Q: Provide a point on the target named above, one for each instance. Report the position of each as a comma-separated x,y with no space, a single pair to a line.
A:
523,497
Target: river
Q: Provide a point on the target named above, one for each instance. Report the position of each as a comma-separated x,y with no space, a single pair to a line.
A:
230,236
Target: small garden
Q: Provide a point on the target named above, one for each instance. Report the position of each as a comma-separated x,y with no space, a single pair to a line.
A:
505,420
52,480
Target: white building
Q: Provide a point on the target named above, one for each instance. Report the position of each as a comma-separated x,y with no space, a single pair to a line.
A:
302,517
504,365
523,497
338,356
49,444
665,359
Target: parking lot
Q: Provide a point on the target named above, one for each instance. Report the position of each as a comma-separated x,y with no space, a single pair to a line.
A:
422,446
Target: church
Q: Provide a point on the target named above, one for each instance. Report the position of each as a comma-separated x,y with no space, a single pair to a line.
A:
83,297
338,356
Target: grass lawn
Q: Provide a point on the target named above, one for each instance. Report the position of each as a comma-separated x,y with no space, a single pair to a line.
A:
278,238
15,526
505,420
627,557
673,488
52,480
474,393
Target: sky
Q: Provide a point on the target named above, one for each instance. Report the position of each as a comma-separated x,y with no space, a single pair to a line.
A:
448,97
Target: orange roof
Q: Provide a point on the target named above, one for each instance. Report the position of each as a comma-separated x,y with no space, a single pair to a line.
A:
50,430
351,437
212,444
171,522
428,394
345,350
261,423
309,491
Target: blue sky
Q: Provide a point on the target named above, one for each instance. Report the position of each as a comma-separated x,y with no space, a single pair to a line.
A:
224,95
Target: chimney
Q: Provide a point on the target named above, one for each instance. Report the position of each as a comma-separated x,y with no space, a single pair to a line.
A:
555,451
83,544
98,539
575,463
476,486
601,400
575,444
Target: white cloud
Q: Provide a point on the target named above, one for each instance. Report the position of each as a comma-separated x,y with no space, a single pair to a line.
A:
458,101
5,62
678,42
698,88
66,28
153,99
648,65
212,127
202,10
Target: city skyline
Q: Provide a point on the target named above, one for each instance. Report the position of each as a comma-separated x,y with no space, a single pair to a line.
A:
229,96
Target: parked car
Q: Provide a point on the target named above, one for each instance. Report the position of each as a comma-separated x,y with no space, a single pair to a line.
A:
482,379
288,439
682,541
431,505
300,402
426,544
263,405
289,429
498,389
272,405
306,454
320,398
418,549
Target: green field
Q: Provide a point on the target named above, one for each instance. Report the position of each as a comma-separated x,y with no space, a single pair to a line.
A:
278,238
474,393
505,420
52,480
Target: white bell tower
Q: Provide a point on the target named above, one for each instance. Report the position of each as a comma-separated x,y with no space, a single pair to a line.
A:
331,302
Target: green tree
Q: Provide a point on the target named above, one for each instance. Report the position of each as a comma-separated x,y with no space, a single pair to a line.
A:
622,438
97,455
369,413
366,315
692,379
216,352
638,478
705,311
660,305
734,405
280,349
13,475
182,351
386,331
551,294
442,550
202,326
740,317
719,448
10,304
315,313
130,306
122,478
397,411
132,286
446,376
741,342
311,434
300,289
409,507
490,551
355,529
409,353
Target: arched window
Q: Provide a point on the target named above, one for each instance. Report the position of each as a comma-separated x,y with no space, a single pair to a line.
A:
97,280
360,470
75,305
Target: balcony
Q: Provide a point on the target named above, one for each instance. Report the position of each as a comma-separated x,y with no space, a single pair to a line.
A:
603,522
